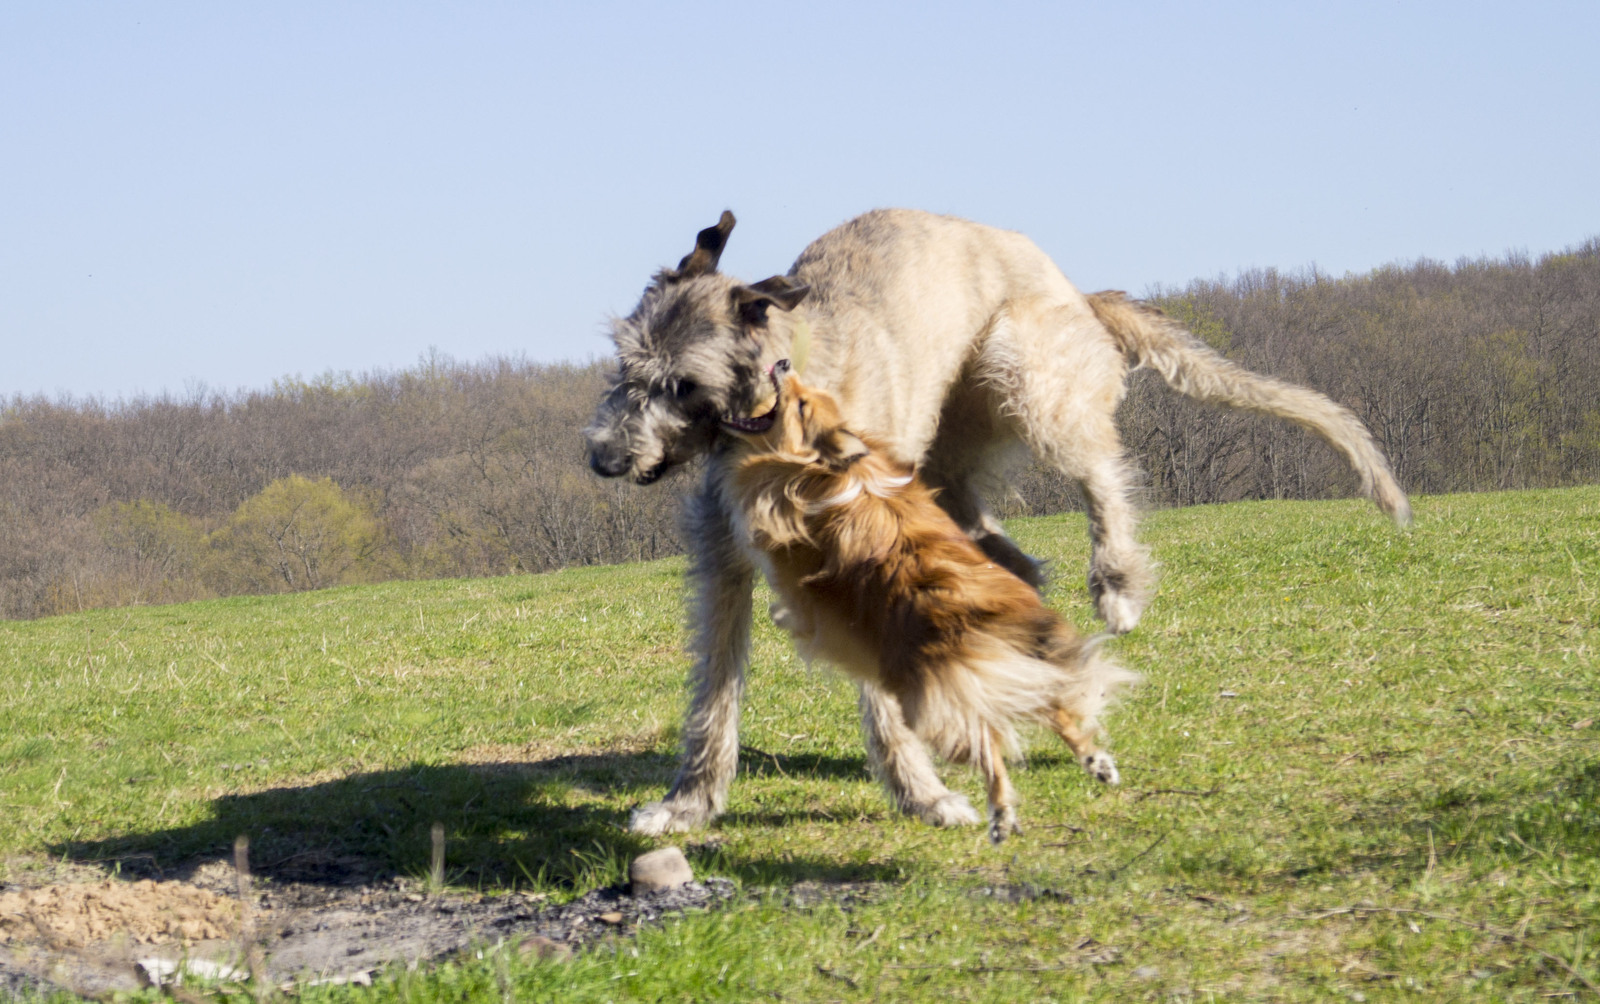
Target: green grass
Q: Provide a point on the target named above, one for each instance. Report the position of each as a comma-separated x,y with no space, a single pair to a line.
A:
1408,735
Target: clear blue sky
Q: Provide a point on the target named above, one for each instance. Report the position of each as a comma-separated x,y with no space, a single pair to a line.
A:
226,193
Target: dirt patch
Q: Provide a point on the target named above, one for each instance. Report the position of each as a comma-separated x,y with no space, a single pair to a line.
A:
115,935
146,912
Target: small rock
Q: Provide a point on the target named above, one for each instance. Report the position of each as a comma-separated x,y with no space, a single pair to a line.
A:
159,971
666,868
611,918
540,947
1146,973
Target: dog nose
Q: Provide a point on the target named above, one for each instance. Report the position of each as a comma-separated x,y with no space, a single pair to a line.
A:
781,367
607,464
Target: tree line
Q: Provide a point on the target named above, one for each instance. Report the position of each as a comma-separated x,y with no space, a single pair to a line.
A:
1482,375
1479,377
445,469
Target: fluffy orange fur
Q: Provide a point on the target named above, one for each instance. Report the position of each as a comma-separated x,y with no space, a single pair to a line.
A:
874,577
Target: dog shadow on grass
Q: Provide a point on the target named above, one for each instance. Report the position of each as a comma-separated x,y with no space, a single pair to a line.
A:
545,824
1547,814
1404,835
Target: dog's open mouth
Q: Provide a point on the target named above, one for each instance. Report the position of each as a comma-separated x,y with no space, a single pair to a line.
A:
763,420
754,423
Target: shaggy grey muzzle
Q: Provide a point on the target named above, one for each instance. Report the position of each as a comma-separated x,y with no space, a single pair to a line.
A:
610,462
651,476
613,453
606,462
609,455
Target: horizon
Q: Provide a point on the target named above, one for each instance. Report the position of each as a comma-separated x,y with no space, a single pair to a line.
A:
228,198
433,355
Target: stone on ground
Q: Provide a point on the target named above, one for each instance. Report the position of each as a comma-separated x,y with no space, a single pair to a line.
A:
666,868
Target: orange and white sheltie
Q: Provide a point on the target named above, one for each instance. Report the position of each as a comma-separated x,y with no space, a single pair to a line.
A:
873,577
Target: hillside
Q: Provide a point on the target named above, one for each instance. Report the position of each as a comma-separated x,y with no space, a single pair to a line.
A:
1480,376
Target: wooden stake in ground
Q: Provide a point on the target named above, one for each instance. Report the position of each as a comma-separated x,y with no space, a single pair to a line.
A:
436,874
249,946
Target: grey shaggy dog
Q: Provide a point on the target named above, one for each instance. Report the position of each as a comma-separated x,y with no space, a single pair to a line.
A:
958,347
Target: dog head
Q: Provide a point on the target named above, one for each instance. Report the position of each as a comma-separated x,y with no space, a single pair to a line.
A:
687,357
803,424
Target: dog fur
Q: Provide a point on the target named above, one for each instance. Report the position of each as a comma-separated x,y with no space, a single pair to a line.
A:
874,578
956,347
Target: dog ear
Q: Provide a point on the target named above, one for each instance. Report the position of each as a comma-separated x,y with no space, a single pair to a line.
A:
839,448
708,245
752,302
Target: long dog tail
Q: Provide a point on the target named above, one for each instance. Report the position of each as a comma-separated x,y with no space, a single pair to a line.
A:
1150,338
952,706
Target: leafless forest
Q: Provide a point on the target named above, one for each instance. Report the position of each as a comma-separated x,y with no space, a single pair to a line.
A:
1481,376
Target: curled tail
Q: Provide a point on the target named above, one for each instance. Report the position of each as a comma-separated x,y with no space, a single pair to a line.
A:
1150,338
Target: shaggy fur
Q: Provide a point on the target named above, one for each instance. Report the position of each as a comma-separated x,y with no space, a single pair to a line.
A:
874,578
957,348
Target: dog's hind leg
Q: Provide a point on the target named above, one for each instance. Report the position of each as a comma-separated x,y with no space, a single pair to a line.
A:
971,456
1062,377
1093,759
965,505
722,582
1002,797
901,763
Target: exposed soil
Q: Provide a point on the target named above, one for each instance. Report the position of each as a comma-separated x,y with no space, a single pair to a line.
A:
91,937
77,915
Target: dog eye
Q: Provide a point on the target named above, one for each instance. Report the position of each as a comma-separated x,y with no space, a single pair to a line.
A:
684,388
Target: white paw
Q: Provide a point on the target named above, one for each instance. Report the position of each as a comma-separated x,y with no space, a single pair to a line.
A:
1102,768
655,818
1119,611
1002,824
951,809
783,617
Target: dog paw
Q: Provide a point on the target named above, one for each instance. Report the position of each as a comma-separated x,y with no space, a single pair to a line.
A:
1120,611
1002,824
950,809
783,617
656,818
1102,768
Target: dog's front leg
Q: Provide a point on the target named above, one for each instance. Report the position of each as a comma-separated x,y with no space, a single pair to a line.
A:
901,762
720,580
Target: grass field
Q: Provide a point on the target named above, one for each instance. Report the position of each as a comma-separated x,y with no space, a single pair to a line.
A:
1363,765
